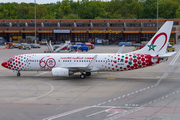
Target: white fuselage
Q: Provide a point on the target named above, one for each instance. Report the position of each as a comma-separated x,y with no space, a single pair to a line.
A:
104,62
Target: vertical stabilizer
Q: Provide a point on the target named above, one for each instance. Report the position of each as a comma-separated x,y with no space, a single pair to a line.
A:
158,43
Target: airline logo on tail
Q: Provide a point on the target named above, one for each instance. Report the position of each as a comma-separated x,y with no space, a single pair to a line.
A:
152,46
158,44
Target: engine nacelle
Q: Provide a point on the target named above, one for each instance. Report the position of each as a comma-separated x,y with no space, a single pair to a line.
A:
60,72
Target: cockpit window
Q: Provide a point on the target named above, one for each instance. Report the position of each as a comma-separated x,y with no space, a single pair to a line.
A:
10,60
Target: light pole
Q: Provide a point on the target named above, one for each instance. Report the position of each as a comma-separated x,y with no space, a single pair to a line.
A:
157,15
35,18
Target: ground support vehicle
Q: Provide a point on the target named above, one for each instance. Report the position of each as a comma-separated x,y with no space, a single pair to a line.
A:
16,45
83,47
170,49
9,45
24,46
79,47
43,42
91,46
75,47
2,40
35,46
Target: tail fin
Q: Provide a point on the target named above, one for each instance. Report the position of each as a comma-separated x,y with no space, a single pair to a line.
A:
158,43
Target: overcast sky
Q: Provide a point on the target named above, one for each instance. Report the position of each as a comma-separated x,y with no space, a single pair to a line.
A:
30,1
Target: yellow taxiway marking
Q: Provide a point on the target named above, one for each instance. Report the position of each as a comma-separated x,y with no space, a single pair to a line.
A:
111,78
9,82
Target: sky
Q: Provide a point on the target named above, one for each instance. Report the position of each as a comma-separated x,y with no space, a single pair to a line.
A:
30,1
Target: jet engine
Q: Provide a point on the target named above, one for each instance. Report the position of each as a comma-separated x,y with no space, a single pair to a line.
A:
61,72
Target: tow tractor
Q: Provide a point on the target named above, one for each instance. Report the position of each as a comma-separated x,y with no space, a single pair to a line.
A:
170,48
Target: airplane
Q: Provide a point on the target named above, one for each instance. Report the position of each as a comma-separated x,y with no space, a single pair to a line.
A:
67,64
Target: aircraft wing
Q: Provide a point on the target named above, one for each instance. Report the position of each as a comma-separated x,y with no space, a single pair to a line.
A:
89,67
121,49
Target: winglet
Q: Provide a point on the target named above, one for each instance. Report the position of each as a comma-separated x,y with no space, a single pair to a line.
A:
121,49
93,61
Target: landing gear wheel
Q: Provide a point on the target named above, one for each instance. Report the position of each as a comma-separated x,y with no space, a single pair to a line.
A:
82,76
88,73
18,74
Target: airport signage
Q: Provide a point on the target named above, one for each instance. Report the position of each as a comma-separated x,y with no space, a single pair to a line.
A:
61,31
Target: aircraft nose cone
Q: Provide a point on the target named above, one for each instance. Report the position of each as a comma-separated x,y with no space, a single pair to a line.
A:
4,64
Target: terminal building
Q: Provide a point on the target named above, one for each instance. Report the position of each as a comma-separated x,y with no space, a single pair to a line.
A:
83,30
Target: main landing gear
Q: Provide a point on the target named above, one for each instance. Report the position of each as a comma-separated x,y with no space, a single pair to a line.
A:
88,73
82,76
18,74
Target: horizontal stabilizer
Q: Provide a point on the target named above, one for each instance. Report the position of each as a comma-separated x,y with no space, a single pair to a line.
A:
166,55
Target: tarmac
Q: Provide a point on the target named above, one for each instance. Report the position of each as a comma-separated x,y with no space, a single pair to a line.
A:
151,93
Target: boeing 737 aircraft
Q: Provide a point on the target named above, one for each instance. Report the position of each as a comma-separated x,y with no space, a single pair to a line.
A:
67,64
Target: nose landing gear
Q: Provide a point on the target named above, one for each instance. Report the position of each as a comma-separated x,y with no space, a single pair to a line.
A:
18,74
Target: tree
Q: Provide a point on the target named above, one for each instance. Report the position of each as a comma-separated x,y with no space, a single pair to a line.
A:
92,10
178,12
167,9
71,16
85,9
137,8
41,12
65,7
10,10
149,9
23,10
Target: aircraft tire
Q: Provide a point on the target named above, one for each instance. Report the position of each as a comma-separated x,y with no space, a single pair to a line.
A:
18,74
82,76
88,73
